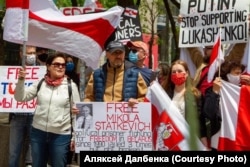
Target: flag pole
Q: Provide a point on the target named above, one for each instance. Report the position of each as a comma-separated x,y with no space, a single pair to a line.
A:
25,27
219,51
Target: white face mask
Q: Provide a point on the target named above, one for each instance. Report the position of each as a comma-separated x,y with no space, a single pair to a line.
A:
31,59
234,79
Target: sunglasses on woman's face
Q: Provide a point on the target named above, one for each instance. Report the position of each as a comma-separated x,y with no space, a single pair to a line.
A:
58,65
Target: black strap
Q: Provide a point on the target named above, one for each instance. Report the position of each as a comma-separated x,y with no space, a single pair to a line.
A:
69,88
39,85
70,94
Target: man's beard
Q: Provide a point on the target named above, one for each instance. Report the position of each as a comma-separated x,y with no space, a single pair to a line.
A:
116,64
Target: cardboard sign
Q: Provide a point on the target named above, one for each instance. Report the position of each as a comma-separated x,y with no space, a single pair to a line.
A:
203,18
8,78
113,126
130,26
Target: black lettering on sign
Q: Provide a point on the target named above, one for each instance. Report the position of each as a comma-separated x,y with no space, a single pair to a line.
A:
202,6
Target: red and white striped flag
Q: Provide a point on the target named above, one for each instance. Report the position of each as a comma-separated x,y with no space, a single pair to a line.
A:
21,14
216,58
82,36
235,132
130,12
170,129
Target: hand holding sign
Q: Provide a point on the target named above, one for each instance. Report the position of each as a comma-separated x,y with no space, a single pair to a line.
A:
132,102
22,74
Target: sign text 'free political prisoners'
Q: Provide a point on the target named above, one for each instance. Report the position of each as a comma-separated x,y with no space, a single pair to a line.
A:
201,20
8,78
113,126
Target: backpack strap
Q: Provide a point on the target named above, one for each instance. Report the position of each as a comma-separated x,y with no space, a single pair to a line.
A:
39,85
70,94
69,88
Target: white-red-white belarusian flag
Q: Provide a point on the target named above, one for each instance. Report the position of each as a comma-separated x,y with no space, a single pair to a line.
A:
82,36
170,129
235,132
130,12
216,58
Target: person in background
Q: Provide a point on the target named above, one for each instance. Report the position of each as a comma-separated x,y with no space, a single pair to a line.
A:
88,71
42,55
138,51
20,123
230,72
52,127
200,78
117,80
163,75
71,70
201,83
71,73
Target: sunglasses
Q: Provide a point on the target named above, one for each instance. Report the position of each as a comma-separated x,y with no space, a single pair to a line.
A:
58,65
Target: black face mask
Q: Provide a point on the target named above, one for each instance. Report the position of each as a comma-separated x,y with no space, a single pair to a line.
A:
43,57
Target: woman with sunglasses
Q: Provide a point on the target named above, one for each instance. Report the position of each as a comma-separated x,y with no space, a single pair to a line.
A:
52,126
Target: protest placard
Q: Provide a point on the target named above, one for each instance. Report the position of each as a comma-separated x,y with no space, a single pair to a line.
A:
129,28
201,20
8,78
113,126
76,10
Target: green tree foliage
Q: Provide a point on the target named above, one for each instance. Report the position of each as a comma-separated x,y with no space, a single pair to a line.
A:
150,11
108,3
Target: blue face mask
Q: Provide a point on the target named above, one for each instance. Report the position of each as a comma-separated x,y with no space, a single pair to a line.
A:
70,66
133,57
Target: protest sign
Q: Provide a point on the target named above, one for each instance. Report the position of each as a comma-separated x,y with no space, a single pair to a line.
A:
203,18
113,126
68,11
129,28
8,78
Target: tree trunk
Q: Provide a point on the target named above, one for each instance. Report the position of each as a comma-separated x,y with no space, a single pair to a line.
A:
124,3
74,3
172,23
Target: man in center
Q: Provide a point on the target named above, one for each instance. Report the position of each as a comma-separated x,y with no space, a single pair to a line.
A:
117,80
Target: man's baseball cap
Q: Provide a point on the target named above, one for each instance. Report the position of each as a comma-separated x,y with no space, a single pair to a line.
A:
114,46
138,44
